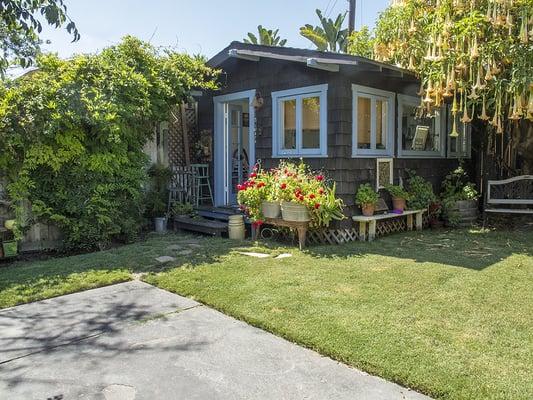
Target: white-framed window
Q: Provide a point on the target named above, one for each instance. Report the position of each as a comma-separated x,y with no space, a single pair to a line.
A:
373,122
300,121
384,172
420,136
461,145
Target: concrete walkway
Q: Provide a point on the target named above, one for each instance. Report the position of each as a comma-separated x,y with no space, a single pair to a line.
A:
134,341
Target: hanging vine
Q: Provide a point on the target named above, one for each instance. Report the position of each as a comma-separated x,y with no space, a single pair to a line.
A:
475,54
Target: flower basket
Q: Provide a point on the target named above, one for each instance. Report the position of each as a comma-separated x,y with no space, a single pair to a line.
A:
270,209
294,212
10,248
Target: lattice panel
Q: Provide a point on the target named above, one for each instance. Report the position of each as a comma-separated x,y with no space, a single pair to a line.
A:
176,143
388,226
332,236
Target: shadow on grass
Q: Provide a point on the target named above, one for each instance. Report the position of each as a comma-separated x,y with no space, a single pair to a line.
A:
467,248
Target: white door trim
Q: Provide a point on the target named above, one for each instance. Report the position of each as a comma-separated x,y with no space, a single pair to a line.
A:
221,174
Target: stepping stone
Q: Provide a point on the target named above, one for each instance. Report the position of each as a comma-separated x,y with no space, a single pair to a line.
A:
165,259
119,392
175,247
253,254
283,255
185,252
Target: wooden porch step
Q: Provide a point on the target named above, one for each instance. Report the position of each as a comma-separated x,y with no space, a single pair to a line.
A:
201,225
218,213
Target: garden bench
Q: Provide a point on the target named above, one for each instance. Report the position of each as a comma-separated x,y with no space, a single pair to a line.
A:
372,222
301,228
510,196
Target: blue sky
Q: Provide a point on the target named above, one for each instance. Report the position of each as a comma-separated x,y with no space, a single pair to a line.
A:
194,26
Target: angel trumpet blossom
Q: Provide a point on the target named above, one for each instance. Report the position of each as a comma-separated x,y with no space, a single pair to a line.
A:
484,116
454,133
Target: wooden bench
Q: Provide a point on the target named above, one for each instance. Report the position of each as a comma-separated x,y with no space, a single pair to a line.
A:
301,228
503,194
214,228
372,221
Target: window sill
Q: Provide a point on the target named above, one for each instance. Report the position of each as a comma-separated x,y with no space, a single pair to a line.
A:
299,156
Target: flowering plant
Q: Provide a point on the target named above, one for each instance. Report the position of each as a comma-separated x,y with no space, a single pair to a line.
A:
294,183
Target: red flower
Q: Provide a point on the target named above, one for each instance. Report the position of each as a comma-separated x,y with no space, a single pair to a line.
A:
301,198
241,187
320,191
312,196
317,206
283,186
257,224
253,175
261,184
320,178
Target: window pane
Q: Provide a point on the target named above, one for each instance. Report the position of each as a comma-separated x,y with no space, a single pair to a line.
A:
381,124
419,133
311,123
289,124
363,123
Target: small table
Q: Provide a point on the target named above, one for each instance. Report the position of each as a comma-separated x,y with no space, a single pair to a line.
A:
301,227
363,220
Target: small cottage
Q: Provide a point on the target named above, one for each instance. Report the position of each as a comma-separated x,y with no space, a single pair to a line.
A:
351,116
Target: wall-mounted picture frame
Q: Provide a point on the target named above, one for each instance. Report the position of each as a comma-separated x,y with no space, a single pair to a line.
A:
420,138
384,172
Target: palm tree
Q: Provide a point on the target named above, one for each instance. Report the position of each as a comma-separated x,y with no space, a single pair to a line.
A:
328,37
267,37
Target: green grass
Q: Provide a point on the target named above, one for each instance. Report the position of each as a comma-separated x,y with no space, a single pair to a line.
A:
445,313
24,282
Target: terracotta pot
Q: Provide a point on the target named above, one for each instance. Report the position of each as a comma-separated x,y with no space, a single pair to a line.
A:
398,203
368,209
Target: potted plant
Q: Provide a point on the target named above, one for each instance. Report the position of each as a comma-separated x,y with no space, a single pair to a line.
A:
459,199
302,194
420,191
366,198
435,211
156,196
182,210
399,197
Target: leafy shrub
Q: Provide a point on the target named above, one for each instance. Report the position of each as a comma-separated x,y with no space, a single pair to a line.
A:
456,187
72,135
156,194
366,195
182,209
397,192
420,191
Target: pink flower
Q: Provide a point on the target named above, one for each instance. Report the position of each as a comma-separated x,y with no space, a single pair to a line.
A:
241,187
253,175
320,178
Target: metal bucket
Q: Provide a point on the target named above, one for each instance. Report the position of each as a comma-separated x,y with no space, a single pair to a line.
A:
271,209
160,225
294,212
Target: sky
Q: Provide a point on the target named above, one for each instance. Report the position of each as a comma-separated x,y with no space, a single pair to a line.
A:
194,26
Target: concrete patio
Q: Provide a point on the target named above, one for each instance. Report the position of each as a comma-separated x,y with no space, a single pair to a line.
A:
134,341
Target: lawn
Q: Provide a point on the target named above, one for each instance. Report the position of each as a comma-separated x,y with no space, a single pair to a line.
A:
445,313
